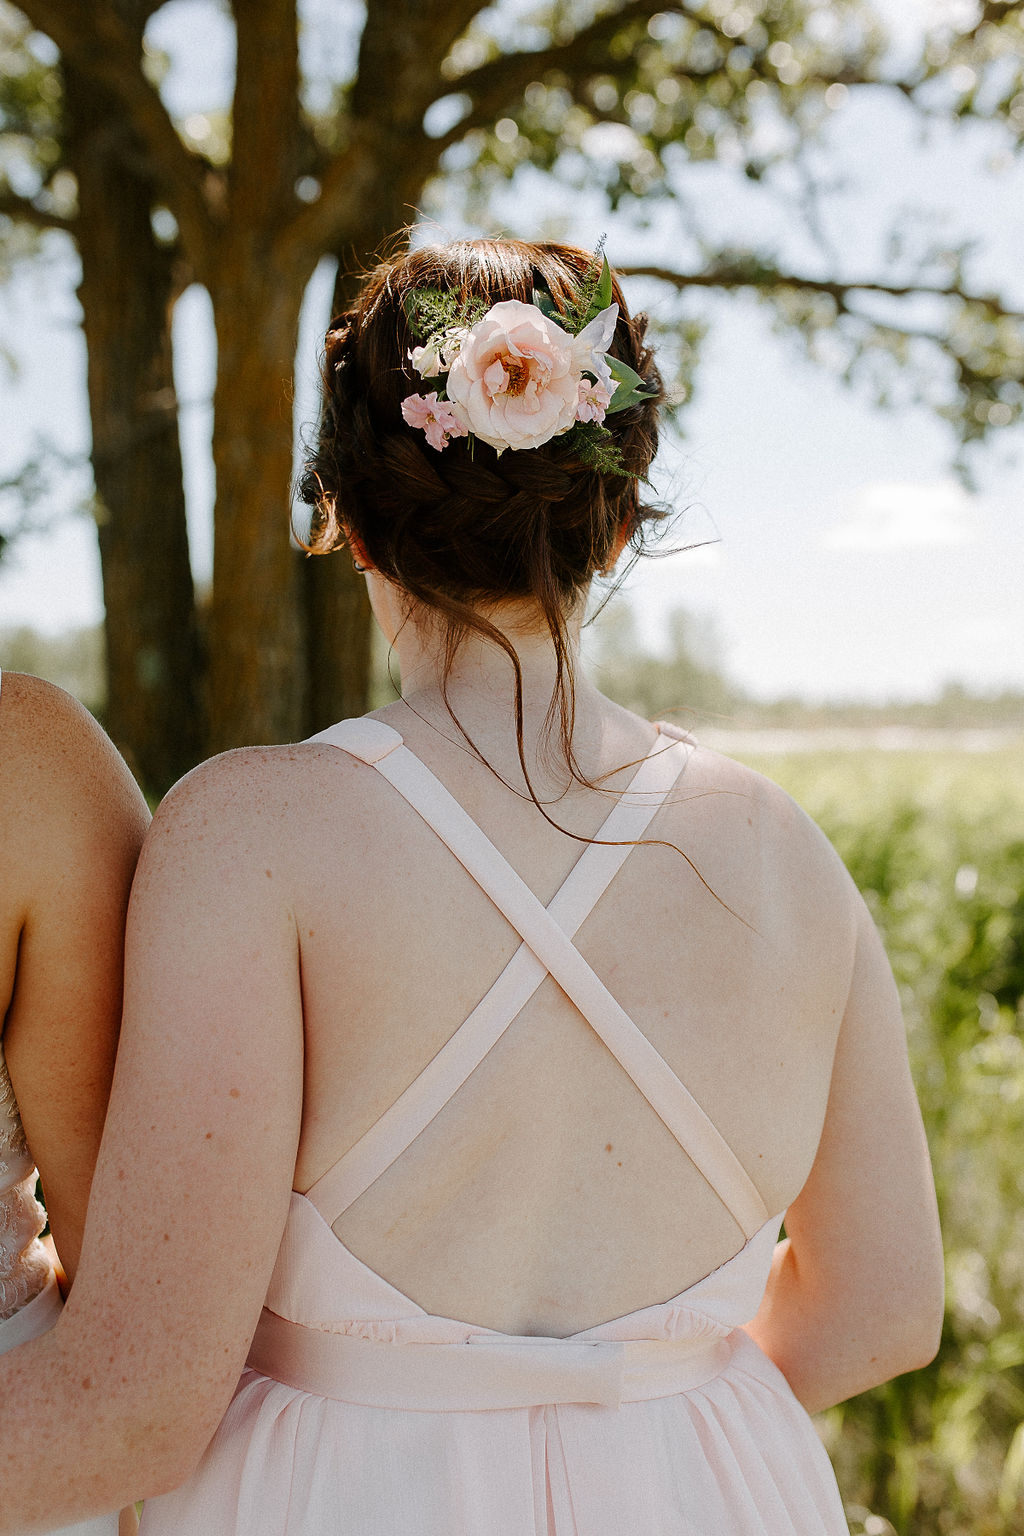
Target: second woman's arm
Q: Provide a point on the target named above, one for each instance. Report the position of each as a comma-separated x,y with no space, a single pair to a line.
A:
71,826
193,1180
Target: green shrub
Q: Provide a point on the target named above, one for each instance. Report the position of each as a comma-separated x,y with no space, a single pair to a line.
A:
936,843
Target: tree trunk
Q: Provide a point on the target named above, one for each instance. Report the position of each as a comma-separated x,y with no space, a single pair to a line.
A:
339,623
256,629
152,641
339,629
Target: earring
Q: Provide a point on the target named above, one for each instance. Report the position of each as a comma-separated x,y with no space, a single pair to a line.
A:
360,569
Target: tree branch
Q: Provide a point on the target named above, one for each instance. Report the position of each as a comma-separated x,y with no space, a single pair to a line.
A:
400,53
350,176
99,44
383,139
734,275
267,140
23,211
502,81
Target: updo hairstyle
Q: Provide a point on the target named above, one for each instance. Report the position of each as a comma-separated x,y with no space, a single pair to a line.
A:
464,529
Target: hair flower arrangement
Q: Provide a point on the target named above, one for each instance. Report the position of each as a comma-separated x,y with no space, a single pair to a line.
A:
517,375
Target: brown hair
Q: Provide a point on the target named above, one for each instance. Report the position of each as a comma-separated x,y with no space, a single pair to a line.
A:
463,529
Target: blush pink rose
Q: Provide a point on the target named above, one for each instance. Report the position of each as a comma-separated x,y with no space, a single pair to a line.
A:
515,382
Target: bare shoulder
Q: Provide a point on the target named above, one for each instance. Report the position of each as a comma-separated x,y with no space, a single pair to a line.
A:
774,836
767,806
45,728
62,781
251,804
251,786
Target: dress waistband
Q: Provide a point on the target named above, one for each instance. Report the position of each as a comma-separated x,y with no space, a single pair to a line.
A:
485,1371
37,1316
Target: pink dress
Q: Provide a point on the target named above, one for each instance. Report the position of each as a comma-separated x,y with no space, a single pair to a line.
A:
359,1414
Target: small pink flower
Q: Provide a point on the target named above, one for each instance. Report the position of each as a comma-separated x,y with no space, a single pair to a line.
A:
434,417
593,402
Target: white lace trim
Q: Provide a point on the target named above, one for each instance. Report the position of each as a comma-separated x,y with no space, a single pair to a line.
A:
24,1262
12,1136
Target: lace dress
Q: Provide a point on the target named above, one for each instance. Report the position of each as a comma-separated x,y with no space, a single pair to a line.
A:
25,1272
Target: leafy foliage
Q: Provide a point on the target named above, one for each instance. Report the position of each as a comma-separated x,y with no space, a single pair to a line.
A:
325,150
934,841
36,191
595,445
747,92
41,493
595,293
432,312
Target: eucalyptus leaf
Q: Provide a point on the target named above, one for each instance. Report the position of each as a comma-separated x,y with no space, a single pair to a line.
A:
630,388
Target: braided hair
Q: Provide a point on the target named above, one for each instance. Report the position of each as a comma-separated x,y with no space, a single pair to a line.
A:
464,529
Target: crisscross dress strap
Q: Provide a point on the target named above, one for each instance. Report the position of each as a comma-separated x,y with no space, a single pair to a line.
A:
459,1057
545,933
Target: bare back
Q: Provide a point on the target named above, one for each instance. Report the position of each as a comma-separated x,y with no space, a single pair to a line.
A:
547,1196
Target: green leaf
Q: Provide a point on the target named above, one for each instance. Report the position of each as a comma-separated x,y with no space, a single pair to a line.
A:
630,388
602,295
546,304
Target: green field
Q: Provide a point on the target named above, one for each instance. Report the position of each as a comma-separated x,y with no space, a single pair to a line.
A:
936,842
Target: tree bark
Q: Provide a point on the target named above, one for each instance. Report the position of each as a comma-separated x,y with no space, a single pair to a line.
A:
339,628
257,689
398,75
127,288
339,624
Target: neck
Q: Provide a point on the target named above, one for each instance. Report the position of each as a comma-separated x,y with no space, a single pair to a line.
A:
480,693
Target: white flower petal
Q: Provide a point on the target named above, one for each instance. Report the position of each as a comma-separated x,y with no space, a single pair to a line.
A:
597,336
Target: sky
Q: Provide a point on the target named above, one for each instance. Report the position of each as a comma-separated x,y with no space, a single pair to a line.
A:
838,557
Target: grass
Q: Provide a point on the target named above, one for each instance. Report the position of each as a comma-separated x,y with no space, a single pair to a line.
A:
936,842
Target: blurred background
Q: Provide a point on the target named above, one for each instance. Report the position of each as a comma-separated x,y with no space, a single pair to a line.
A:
821,209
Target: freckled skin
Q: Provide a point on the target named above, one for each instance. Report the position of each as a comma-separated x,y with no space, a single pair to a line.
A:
71,825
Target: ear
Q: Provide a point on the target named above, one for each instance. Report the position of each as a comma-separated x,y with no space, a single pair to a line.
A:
357,550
